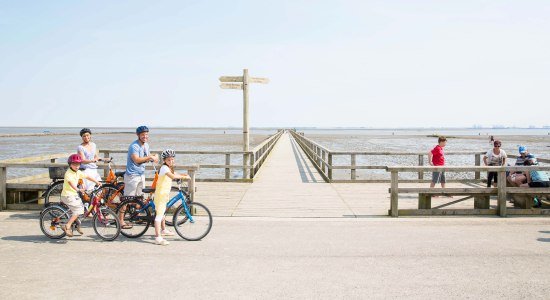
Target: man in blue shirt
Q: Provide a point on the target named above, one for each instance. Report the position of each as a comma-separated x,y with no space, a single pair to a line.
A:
138,155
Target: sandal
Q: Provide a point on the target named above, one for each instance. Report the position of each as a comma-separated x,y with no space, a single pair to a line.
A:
126,226
79,229
68,231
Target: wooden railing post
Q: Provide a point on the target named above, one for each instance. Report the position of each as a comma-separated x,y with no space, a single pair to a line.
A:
191,174
330,166
478,163
353,172
324,160
252,173
501,185
105,171
227,163
394,194
245,170
421,163
3,192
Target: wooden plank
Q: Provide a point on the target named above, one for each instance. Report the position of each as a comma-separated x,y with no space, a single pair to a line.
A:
531,211
501,193
447,191
232,86
227,162
259,80
353,172
482,202
394,195
231,79
466,168
3,187
36,158
447,212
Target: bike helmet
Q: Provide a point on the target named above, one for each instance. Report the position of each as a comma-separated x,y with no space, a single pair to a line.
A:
141,129
522,149
74,159
85,130
168,153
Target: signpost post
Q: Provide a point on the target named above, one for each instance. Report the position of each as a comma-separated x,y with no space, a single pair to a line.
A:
241,83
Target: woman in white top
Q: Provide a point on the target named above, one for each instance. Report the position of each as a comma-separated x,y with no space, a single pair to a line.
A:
88,152
494,157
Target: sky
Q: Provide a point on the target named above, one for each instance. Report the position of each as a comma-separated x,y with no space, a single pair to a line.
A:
330,63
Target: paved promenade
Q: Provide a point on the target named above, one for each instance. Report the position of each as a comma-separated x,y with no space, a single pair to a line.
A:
286,258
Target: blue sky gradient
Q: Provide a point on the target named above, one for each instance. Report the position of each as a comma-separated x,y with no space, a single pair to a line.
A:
331,63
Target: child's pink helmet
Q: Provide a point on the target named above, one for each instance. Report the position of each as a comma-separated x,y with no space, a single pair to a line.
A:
74,159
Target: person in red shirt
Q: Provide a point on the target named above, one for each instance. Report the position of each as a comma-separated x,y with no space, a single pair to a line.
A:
436,157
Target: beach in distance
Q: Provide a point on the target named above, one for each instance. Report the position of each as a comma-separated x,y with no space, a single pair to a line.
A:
16,142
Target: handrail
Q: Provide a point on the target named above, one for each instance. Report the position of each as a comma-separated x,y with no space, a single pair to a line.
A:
323,158
502,189
191,170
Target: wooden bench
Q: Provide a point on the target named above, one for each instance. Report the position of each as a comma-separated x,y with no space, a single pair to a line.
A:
481,200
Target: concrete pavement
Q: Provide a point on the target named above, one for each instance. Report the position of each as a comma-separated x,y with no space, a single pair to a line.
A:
296,258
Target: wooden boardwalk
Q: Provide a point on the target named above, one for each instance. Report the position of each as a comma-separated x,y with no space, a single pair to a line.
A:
288,185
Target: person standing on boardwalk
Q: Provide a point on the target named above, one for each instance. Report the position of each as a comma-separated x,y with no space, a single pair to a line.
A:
436,157
88,152
494,157
138,155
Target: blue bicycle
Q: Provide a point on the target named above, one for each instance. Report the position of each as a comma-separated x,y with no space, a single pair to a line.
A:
192,220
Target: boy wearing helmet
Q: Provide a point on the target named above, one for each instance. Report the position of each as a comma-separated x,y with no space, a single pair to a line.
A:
162,194
69,195
138,155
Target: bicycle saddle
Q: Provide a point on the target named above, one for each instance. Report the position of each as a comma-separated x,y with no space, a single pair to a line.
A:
148,190
120,173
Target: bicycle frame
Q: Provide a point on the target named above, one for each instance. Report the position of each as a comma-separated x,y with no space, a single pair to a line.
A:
180,196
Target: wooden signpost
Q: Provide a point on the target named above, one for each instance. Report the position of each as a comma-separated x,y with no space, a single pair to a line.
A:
241,83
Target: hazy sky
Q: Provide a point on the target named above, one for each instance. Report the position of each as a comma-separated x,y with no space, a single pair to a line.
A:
331,63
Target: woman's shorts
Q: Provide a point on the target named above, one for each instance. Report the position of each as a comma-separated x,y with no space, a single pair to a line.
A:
91,173
74,203
539,184
438,177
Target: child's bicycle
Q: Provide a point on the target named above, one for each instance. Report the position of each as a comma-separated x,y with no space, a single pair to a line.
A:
192,220
105,221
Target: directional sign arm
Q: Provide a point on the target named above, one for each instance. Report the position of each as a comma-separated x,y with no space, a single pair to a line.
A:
259,80
233,86
231,79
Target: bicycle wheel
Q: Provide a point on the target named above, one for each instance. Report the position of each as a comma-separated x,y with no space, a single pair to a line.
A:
53,194
193,223
136,219
51,220
110,195
106,224
170,211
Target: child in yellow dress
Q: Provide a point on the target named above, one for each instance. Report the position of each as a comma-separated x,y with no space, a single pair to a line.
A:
162,194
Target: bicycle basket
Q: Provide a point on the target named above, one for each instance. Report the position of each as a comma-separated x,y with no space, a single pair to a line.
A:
57,172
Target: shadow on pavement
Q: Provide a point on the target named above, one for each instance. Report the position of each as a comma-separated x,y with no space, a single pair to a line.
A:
37,239
29,216
545,240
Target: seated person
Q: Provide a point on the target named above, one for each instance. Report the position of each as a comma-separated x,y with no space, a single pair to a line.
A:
535,178
518,178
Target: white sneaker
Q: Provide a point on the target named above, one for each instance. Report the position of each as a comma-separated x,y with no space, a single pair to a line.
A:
167,232
161,241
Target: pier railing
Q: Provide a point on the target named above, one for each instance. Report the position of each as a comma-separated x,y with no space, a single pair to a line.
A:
17,185
24,187
502,190
324,161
